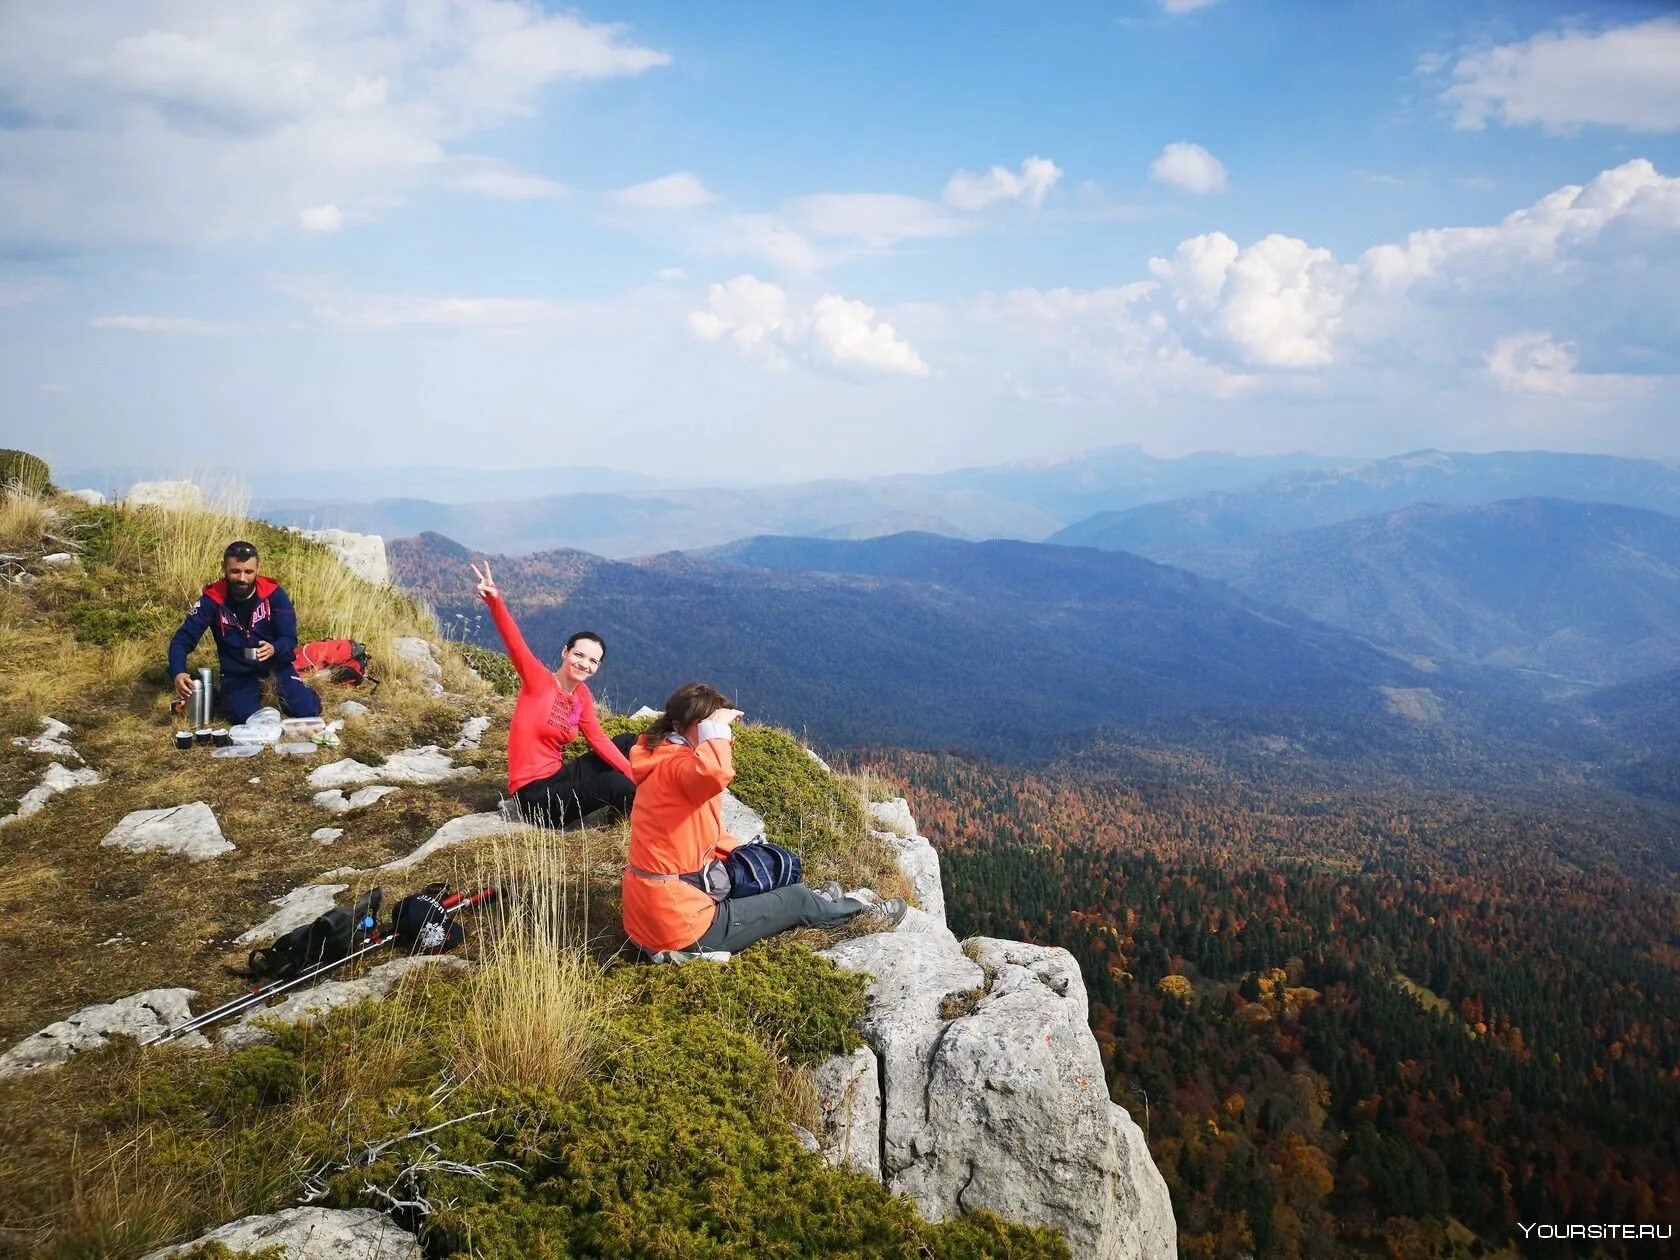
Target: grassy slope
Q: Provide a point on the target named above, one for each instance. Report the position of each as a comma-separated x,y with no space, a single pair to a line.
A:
660,1147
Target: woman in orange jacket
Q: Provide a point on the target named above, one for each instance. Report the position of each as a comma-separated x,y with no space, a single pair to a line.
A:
681,765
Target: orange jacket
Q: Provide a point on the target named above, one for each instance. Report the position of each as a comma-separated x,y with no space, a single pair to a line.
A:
676,826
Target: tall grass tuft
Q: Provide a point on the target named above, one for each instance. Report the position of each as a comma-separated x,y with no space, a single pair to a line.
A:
25,515
538,1004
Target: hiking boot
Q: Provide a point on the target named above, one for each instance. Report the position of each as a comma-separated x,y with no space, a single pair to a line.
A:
679,956
831,891
886,915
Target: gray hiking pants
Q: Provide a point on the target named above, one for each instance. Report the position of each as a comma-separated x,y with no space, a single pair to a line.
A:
742,920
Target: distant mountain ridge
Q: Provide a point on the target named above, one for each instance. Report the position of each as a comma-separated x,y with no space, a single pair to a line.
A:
921,640
1024,500
1325,496
1590,591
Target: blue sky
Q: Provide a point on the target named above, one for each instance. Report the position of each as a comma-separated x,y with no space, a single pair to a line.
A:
759,242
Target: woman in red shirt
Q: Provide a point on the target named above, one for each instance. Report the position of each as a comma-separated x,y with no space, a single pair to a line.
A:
681,765
550,711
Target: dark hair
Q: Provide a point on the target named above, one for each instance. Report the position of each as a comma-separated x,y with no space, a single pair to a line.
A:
690,703
240,550
586,634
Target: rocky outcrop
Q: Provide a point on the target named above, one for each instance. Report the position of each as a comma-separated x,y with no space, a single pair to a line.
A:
310,1233
140,1015
991,1091
298,907
50,741
175,495
362,554
54,779
427,764
189,831
418,653
472,734
334,801
741,821
455,831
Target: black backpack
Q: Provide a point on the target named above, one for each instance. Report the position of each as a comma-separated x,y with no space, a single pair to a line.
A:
330,938
421,925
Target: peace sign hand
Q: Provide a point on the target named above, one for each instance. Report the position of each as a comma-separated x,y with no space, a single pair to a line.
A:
487,588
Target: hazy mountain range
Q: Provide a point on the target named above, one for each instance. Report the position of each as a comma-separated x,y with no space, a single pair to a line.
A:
1587,591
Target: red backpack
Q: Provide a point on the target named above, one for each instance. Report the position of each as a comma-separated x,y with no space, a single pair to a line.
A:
346,658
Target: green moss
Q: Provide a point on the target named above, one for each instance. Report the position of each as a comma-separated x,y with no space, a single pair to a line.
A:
493,667
220,1251
28,470
803,806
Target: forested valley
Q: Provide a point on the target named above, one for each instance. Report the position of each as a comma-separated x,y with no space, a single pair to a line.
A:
1389,1018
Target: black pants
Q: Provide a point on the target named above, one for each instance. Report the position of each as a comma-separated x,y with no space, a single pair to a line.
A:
743,920
578,789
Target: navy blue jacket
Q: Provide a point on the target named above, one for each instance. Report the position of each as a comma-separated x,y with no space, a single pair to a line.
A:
272,621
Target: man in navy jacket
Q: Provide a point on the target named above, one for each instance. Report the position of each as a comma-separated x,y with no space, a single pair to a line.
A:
242,611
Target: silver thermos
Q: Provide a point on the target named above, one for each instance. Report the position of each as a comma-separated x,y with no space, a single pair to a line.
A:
203,699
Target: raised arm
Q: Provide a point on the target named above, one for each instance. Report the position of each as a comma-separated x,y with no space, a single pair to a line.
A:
530,669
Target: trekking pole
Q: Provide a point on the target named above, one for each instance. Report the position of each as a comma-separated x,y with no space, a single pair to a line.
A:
256,997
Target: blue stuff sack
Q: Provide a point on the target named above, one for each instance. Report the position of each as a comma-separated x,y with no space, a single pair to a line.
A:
757,868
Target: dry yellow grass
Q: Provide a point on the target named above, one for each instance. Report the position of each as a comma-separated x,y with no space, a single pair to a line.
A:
537,1002
24,516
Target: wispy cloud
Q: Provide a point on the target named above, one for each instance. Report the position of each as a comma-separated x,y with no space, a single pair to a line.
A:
169,325
681,191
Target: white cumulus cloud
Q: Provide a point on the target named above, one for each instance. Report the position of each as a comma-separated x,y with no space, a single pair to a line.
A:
1190,167
681,191
1532,363
165,324
1623,77
1032,183
758,319
321,219
174,122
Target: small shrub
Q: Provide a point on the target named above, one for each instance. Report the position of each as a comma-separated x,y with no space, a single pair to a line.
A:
25,516
29,471
493,667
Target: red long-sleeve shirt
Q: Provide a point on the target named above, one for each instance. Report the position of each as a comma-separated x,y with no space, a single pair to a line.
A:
545,719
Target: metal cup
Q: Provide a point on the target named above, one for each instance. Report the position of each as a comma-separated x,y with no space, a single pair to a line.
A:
222,738
183,740
250,655
204,736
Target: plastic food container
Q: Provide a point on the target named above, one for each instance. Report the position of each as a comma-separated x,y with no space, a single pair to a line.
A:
295,750
238,750
248,733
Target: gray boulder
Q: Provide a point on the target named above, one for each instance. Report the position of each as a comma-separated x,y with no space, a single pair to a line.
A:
140,1015
362,554
427,764
93,498
327,835
739,820
298,907
919,861
179,496
335,801
455,831
354,708
893,815
849,1086
189,831
54,780
311,1233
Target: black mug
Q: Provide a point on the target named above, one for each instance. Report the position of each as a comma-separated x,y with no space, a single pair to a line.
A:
222,738
203,734
183,740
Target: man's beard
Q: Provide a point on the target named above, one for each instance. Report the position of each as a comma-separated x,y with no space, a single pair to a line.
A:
239,590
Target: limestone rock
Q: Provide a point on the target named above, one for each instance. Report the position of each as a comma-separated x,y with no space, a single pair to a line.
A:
190,831
93,498
455,831
920,863
740,821
849,1086
354,708
298,907
174,495
893,815
427,764
813,756
50,742
472,733
418,653
311,1233
645,712
56,779
362,554
327,835
60,559
315,1000
140,1015
335,802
